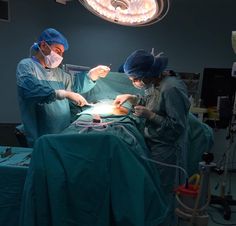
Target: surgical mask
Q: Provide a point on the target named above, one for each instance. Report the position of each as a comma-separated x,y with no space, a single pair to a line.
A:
52,60
139,84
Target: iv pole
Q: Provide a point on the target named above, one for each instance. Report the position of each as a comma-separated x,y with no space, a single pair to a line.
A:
226,200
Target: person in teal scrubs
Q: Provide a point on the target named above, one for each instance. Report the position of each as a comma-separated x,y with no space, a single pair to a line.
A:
44,89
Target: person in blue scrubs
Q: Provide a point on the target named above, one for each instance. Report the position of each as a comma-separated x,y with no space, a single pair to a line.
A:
164,108
44,89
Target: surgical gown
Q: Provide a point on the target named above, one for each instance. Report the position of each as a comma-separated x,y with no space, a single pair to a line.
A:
41,112
166,133
200,140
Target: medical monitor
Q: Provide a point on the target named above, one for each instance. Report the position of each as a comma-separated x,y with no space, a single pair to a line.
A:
216,83
218,94
4,10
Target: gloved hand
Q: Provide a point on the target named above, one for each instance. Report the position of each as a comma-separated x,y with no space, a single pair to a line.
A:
75,97
121,99
99,71
143,112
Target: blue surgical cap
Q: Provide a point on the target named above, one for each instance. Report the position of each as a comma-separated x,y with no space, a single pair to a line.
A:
52,36
121,68
141,64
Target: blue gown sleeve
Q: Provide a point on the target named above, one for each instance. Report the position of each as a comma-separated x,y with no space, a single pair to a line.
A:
82,83
170,121
30,87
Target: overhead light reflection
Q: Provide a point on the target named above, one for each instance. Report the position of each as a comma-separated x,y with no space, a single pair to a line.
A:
129,12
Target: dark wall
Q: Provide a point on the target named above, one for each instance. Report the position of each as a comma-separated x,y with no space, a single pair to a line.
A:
194,34
26,19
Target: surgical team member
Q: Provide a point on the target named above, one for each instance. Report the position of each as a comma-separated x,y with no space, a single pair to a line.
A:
44,89
165,107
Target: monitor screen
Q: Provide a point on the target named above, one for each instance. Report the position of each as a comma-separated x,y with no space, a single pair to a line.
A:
216,83
4,10
217,95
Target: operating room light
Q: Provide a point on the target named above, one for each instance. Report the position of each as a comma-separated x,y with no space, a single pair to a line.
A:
128,12
102,108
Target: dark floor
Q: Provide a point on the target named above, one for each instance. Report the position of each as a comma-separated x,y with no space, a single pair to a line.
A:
216,212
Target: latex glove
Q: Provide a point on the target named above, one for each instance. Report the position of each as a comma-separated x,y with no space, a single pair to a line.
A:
100,71
76,98
121,99
143,112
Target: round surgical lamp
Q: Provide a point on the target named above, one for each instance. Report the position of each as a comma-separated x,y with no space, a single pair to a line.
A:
134,13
